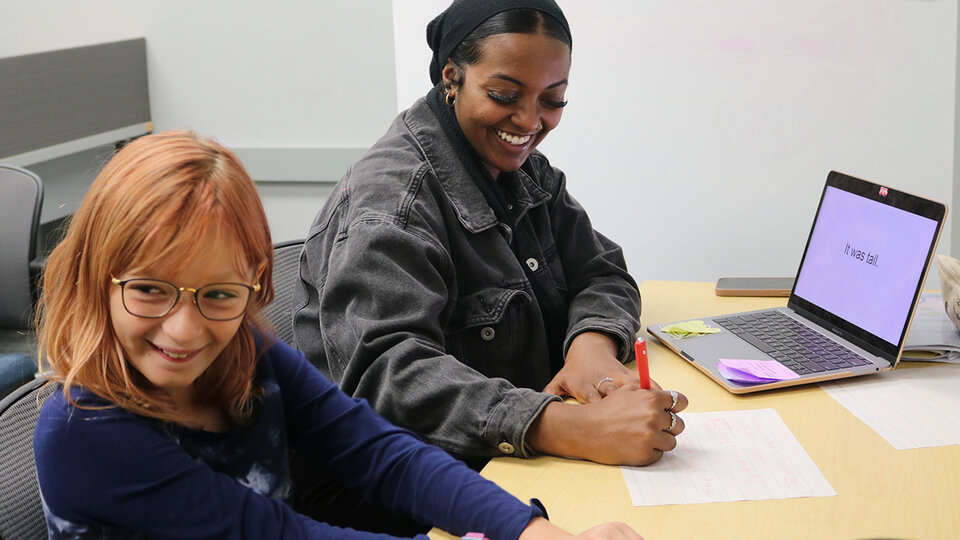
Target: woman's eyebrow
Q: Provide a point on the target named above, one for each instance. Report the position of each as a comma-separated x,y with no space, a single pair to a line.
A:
518,83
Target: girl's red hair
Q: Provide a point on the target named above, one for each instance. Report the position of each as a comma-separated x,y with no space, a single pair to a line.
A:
146,209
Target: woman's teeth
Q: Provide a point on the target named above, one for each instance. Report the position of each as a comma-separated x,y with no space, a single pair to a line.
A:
513,139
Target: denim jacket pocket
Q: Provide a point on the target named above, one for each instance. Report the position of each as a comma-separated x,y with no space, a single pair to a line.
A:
486,329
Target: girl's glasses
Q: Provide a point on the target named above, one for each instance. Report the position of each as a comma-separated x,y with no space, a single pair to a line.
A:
154,298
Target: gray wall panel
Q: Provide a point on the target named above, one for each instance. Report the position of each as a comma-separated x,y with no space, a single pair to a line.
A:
54,97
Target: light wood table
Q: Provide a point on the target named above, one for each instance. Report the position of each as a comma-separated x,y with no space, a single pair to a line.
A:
881,492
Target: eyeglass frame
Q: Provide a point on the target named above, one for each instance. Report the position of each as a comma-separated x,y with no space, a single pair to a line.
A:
255,288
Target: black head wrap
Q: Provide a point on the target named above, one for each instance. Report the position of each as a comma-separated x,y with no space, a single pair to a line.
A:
448,29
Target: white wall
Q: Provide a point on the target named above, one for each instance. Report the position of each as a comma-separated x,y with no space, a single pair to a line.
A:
259,76
699,133
294,73
47,25
715,123
955,237
410,45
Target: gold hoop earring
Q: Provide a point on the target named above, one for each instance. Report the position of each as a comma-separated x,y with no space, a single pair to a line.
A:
451,100
540,128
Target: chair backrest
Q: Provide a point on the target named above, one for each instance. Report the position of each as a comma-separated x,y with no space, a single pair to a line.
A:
286,273
21,197
21,513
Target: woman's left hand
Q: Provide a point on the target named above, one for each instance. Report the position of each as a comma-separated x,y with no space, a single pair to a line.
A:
591,370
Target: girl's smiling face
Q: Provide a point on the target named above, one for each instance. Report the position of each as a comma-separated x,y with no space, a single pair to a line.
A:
509,100
174,350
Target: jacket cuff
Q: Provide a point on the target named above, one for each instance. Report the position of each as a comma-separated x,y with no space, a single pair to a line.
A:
623,335
508,423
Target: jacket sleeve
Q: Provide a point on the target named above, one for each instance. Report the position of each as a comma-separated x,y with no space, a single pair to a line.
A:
603,295
390,464
383,340
111,468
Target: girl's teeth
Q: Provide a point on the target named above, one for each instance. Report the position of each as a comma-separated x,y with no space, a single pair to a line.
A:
513,139
174,355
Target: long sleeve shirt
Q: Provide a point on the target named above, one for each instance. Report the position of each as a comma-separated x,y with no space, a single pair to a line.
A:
108,473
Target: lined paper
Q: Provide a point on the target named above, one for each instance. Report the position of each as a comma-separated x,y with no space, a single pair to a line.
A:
729,456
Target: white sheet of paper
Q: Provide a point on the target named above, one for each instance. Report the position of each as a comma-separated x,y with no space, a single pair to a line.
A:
729,456
910,408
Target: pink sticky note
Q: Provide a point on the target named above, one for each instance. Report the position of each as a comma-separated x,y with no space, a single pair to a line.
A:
754,371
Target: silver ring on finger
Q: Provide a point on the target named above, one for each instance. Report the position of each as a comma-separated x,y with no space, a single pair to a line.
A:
673,421
601,381
676,396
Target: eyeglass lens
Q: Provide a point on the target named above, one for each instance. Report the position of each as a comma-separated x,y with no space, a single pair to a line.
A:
216,301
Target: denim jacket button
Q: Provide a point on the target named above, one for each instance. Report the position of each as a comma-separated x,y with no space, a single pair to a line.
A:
487,333
533,264
505,447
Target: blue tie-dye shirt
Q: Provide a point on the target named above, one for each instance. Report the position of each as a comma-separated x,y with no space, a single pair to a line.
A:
107,473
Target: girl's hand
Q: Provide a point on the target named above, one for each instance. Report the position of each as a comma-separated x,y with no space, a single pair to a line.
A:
541,529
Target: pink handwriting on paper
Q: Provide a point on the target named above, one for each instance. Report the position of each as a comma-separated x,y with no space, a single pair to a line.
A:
754,371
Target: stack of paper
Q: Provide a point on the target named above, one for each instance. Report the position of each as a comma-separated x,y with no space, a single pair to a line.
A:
933,337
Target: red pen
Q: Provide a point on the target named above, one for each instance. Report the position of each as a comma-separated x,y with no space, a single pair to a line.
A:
640,348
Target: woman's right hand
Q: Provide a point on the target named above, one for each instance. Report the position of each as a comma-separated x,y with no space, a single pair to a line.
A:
541,529
627,427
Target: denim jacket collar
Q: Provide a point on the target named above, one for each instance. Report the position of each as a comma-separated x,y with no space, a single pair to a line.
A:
467,200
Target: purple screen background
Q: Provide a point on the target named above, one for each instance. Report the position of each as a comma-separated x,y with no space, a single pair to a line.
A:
877,297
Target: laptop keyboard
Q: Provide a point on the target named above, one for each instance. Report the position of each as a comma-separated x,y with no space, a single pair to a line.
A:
792,344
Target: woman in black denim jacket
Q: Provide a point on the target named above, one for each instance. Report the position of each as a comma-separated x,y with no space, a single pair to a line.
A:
453,282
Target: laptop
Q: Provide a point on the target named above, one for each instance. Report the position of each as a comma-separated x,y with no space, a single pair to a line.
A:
849,311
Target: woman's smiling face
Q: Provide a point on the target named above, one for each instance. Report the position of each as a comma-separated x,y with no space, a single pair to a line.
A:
511,97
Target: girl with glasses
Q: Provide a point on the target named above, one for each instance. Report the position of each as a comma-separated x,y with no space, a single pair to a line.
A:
177,409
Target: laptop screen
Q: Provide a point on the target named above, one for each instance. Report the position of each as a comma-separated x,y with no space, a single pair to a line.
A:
866,258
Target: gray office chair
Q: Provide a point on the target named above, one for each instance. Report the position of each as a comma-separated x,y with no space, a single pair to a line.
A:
286,274
21,197
21,513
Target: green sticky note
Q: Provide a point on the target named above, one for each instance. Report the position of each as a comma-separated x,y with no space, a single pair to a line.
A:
689,329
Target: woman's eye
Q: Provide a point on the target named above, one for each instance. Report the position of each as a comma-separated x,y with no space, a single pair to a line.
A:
509,100
501,99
